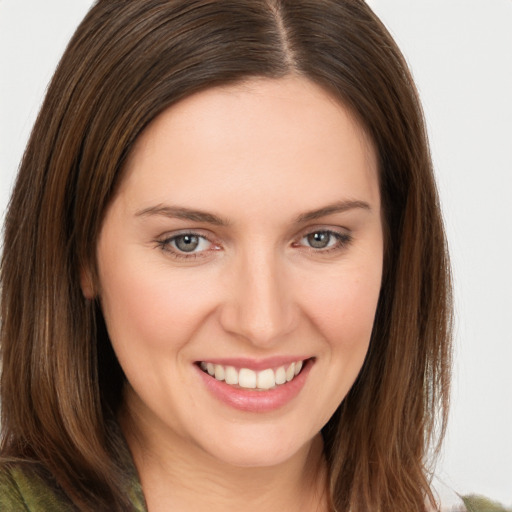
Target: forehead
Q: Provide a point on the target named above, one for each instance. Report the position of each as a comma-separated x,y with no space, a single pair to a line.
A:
281,141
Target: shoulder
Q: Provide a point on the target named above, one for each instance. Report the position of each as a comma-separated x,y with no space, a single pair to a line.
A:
23,489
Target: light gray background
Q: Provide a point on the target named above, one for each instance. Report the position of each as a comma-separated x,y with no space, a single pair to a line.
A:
460,52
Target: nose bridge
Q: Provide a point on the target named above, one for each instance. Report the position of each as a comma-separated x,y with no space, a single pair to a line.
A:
261,306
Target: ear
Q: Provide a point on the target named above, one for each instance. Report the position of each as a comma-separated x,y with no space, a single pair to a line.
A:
87,283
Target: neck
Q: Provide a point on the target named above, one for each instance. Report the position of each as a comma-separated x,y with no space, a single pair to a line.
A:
178,475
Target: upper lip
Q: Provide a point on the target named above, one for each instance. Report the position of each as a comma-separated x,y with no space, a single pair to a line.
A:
255,364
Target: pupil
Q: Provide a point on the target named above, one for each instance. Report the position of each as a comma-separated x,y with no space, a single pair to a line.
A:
319,240
187,243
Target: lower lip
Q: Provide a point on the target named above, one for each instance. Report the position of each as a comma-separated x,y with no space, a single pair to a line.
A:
252,400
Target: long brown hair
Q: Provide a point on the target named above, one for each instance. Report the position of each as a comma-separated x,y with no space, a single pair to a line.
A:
127,62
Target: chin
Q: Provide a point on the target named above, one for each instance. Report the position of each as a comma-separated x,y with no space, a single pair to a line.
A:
255,449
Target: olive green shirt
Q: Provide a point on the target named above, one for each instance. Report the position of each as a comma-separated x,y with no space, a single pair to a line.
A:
27,487
24,489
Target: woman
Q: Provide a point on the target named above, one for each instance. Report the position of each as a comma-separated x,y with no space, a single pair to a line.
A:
225,279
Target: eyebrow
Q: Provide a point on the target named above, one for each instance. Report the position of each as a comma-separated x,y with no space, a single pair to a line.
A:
338,207
178,212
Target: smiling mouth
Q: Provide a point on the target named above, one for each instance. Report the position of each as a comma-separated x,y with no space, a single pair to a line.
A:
245,378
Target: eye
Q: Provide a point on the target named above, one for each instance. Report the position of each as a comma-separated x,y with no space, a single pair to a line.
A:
325,240
185,244
188,242
319,240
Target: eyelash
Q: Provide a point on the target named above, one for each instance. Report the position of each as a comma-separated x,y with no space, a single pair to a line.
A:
342,240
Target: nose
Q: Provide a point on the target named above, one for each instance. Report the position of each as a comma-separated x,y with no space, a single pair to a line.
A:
260,306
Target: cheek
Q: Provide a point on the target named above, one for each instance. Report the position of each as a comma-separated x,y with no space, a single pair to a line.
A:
150,307
343,307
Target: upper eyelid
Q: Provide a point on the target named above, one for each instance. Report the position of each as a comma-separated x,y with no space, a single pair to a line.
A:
330,231
171,235
337,230
183,232
336,234
208,236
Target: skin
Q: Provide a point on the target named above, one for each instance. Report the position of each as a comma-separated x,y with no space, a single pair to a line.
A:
259,156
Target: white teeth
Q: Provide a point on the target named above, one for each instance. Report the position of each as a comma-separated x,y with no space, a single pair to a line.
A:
280,375
250,379
231,375
290,372
266,379
247,378
219,372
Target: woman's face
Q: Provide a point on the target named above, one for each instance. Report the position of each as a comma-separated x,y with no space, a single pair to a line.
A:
245,241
